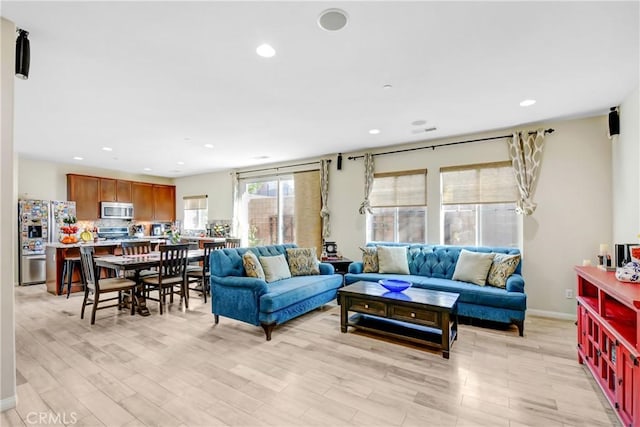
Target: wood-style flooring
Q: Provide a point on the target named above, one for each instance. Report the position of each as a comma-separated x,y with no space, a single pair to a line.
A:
180,369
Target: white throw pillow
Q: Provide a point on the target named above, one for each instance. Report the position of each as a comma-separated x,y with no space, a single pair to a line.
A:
473,267
393,259
275,268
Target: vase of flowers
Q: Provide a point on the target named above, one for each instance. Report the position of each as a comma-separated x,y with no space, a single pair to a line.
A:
174,235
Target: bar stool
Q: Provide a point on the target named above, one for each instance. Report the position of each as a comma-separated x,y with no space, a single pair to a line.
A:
67,271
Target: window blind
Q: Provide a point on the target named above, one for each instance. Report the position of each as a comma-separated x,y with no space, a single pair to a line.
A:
393,189
195,202
479,183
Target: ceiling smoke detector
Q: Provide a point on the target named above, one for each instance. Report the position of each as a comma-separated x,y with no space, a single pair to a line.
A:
333,19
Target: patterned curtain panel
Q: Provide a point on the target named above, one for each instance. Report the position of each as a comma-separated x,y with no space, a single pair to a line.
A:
307,202
324,193
526,155
368,183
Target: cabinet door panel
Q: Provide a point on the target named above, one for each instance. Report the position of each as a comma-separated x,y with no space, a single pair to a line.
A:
164,202
142,198
107,190
123,191
84,190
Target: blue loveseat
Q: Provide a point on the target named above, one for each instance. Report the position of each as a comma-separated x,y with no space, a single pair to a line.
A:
432,267
257,302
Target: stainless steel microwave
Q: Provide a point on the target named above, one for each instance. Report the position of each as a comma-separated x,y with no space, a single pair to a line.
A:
116,210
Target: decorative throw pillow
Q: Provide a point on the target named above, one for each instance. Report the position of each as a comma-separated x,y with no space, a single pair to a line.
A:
252,266
502,267
369,260
473,267
303,261
393,259
275,268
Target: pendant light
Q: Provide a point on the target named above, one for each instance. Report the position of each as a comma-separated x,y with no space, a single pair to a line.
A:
23,54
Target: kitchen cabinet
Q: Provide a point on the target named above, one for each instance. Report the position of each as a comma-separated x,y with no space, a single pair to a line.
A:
164,202
142,198
123,191
107,190
84,190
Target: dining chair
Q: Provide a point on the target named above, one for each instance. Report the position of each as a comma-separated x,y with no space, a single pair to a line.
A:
94,285
200,277
232,243
172,273
138,248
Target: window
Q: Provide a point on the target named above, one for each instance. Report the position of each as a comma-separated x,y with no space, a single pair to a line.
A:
478,205
267,205
399,205
195,212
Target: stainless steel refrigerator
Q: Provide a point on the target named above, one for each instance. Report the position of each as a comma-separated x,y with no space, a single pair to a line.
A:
39,224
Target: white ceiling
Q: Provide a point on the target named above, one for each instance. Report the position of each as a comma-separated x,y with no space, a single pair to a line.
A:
155,81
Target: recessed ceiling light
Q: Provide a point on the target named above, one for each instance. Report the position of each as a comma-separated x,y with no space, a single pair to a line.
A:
333,19
527,102
374,131
78,158
208,145
260,157
265,50
147,169
387,87
419,123
107,148
181,163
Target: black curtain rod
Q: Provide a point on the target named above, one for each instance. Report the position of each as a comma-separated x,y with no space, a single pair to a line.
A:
282,167
433,147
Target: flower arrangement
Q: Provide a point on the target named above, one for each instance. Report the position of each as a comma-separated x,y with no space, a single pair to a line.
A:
173,234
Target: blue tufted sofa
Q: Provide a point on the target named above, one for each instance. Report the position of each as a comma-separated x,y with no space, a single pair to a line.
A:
254,301
432,267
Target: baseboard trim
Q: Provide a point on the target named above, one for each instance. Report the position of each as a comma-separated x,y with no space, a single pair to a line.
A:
8,403
552,314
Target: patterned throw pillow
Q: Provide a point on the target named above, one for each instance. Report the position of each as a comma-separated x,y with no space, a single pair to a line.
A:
369,260
303,261
275,268
502,267
252,266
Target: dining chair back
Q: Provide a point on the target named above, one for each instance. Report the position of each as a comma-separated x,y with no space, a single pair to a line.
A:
171,278
96,287
200,277
136,248
232,243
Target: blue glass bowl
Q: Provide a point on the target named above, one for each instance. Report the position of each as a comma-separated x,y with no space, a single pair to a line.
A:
395,285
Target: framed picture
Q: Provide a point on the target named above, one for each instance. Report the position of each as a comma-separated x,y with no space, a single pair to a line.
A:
634,253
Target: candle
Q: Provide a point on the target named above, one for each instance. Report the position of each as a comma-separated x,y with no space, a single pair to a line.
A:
604,249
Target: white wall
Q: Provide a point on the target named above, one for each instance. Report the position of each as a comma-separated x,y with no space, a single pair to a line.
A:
8,220
40,179
626,173
218,186
573,217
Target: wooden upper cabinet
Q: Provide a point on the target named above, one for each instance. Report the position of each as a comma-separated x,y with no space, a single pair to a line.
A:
164,202
123,191
143,201
84,190
107,190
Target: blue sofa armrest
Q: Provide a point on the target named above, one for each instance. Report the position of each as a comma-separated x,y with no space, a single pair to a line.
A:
326,269
515,283
258,286
356,267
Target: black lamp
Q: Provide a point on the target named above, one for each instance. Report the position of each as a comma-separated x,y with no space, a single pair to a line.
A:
23,54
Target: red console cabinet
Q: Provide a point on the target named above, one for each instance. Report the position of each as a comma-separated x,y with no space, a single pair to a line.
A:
609,338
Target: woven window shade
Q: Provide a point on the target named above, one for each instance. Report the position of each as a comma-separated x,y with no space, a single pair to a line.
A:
195,202
308,222
393,189
476,184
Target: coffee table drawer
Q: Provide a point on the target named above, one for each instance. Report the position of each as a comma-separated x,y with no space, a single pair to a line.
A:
412,315
368,307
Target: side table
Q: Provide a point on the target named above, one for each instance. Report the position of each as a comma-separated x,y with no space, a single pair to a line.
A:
341,265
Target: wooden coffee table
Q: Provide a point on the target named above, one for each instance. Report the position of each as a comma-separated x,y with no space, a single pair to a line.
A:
417,315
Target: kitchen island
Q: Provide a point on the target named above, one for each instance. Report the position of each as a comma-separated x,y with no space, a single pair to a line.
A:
57,252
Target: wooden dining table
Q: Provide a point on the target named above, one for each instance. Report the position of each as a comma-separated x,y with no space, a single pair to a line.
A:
137,263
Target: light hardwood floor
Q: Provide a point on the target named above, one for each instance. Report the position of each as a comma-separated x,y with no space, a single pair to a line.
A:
180,369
